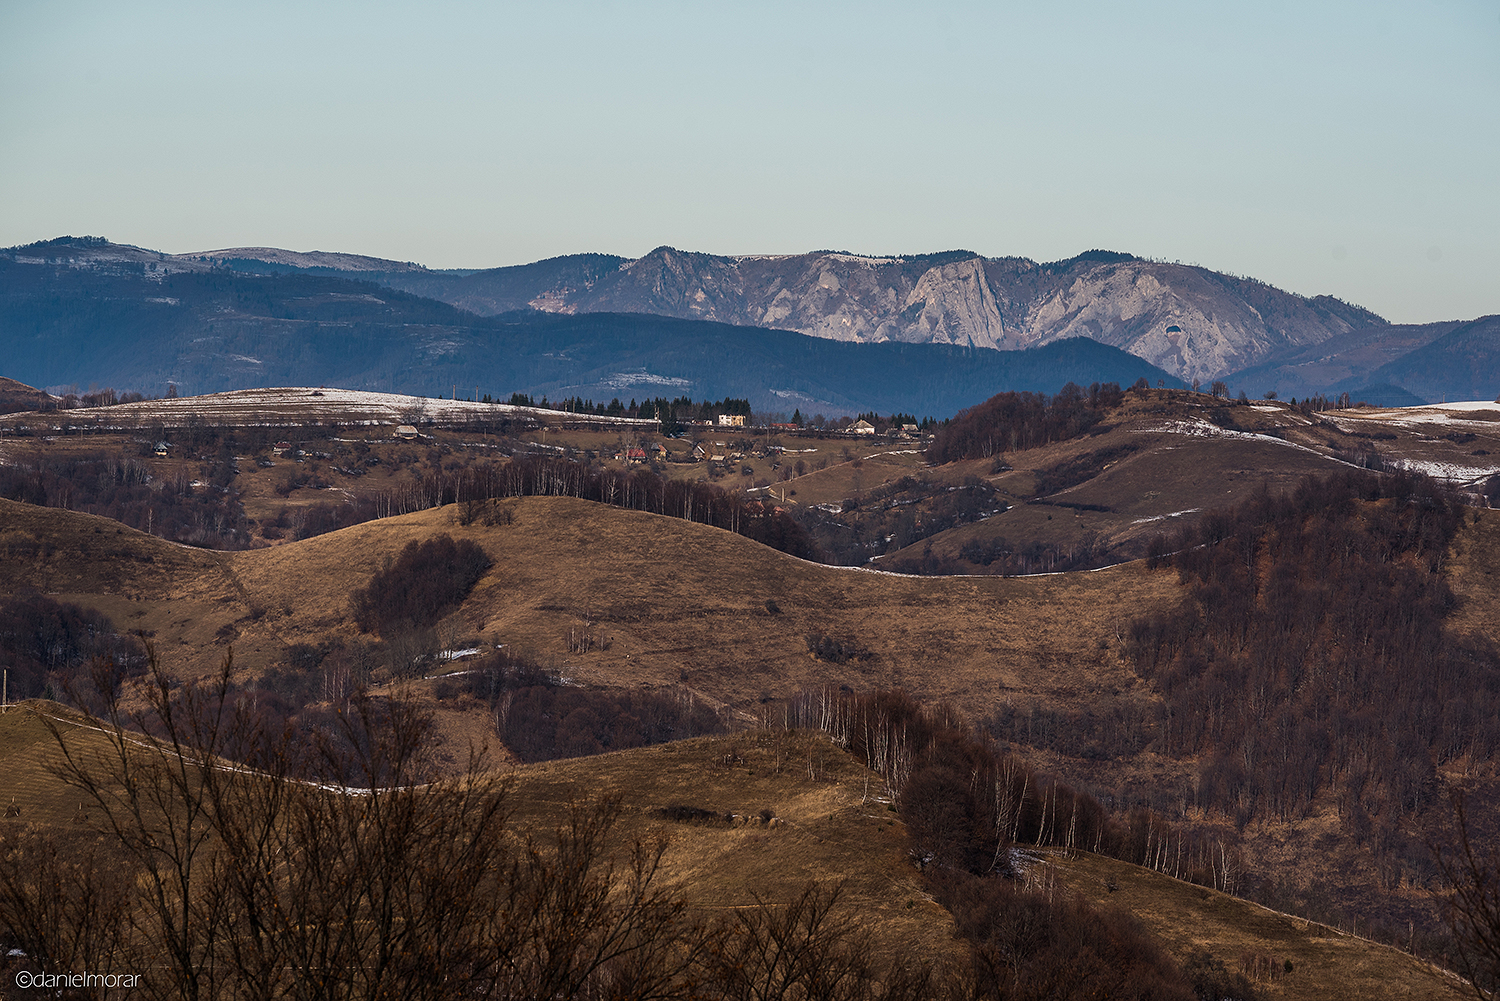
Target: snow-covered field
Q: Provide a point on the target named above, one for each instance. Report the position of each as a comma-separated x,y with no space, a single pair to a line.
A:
1203,429
1457,406
1479,412
1428,424
1461,475
295,405
630,380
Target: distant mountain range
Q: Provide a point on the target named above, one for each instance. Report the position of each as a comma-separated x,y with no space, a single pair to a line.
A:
94,314
1394,365
1191,322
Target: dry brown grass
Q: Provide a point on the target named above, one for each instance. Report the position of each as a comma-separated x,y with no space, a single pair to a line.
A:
686,604
1170,478
1178,470
17,396
184,598
28,753
1473,571
870,463
48,549
825,827
682,604
829,826
1325,963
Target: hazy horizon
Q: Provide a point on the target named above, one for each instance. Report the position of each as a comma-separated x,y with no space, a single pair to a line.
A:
1345,149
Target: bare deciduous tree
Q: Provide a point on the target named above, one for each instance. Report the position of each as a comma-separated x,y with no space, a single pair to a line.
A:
239,862
1473,904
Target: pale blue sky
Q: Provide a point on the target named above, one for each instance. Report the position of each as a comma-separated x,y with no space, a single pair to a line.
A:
1343,148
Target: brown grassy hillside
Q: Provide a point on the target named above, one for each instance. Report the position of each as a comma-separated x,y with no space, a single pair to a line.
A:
1164,457
681,603
825,826
18,397
819,822
1326,963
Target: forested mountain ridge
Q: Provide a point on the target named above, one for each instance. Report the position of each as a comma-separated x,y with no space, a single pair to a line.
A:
89,313
1187,320
1190,321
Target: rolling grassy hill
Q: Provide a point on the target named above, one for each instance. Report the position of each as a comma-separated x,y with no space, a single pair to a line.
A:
678,607
683,608
682,603
1158,461
825,826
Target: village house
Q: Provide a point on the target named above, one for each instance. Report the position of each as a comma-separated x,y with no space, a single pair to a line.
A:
731,420
861,427
405,431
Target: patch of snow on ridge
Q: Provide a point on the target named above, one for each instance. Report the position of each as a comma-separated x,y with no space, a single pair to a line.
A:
1172,514
621,380
1429,413
355,406
858,259
1199,428
1465,405
1203,429
1451,472
802,399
